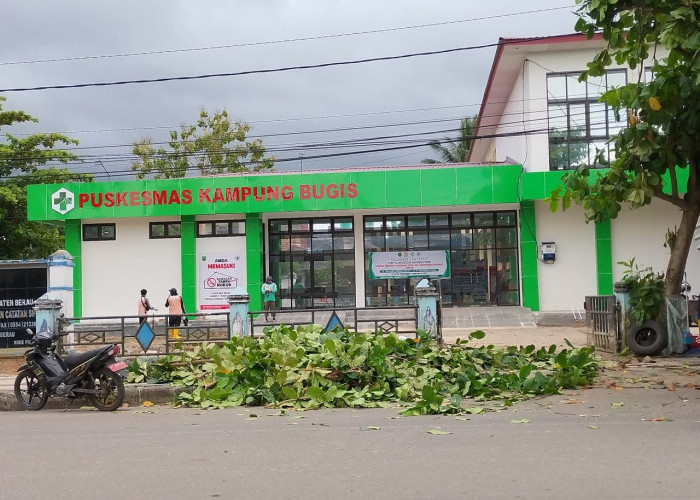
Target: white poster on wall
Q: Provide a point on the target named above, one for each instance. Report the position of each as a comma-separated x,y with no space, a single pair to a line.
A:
219,274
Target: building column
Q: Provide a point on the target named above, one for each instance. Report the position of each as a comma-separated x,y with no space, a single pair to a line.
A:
73,244
188,262
254,243
603,257
528,255
358,230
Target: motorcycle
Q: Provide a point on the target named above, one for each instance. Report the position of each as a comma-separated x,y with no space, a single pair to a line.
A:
95,375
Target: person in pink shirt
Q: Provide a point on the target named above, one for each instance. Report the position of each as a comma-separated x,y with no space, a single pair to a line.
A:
144,307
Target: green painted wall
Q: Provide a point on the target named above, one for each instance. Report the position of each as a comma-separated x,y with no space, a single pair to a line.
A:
528,247
188,263
604,261
254,239
74,247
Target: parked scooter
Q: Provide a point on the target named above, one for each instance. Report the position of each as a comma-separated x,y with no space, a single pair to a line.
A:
95,375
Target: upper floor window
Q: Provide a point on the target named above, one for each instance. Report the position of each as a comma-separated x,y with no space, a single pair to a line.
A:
220,228
98,232
158,230
580,125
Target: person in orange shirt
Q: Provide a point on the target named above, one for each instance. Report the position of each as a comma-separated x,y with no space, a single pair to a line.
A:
144,307
176,308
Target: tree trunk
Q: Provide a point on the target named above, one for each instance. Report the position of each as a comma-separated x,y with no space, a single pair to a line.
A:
681,247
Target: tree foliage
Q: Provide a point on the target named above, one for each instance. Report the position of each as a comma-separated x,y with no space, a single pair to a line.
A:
660,147
20,162
213,146
455,150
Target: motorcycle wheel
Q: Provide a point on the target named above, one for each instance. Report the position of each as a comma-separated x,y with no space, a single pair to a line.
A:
31,393
647,339
109,389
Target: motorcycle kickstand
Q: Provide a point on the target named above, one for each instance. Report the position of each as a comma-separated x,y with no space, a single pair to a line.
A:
67,403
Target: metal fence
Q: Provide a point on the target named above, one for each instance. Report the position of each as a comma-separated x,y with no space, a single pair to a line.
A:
396,319
153,338
602,322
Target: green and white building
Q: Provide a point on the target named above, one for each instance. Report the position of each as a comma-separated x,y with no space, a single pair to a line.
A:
315,230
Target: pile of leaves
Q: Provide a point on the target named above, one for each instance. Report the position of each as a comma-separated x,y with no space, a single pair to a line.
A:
308,368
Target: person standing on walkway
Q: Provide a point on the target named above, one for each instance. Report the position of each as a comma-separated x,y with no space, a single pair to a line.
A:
269,289
176,308
144,307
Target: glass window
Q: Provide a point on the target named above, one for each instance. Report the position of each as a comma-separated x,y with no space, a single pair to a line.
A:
439,240
157,230
321,258
344,224
579,125
343,242
205,229
438,220
279,226
374,242
99,232
417,221
461,220
395,240
483,219
375,223
395,223
505,218
321,225
461,238
322,243
300,225
164,230
220,228
417,240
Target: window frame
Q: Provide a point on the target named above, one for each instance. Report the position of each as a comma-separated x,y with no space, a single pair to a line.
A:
99,226
166,225
591,128
212,225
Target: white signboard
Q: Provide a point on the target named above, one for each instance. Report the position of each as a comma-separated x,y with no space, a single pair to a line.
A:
409,264
219,274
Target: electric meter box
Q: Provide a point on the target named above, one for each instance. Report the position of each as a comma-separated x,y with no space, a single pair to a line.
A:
548,249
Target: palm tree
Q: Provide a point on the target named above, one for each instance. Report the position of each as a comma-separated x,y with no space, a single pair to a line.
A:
455,150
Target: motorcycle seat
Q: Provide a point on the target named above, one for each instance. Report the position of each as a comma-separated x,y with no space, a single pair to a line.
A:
73,360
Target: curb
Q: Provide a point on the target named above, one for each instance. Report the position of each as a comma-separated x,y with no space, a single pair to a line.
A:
136,394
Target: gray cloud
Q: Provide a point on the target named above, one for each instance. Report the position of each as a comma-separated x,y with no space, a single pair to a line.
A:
371,94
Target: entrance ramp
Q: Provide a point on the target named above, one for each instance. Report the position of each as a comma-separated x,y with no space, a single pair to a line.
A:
488,317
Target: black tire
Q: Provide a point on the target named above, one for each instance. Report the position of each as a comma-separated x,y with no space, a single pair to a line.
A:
109,388
647,339
31,393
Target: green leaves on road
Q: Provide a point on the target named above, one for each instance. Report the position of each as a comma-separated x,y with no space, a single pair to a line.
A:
308,368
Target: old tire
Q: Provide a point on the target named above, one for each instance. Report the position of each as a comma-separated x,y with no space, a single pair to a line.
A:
647,339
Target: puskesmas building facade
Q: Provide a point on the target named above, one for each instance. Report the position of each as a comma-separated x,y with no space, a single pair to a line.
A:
313,232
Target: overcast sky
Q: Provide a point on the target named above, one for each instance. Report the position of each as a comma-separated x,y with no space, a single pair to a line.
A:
414,95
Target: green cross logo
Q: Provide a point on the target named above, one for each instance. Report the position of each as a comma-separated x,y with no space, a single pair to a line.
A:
62,201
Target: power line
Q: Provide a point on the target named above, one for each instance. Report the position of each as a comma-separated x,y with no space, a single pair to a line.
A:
287,40
257,71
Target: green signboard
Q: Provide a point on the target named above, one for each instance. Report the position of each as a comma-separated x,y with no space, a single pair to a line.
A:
266,193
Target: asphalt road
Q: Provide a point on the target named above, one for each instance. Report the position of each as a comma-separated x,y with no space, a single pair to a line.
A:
593,444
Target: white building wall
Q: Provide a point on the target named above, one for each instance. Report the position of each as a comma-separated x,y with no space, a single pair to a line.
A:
641,234
508,145
564,284
115,271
